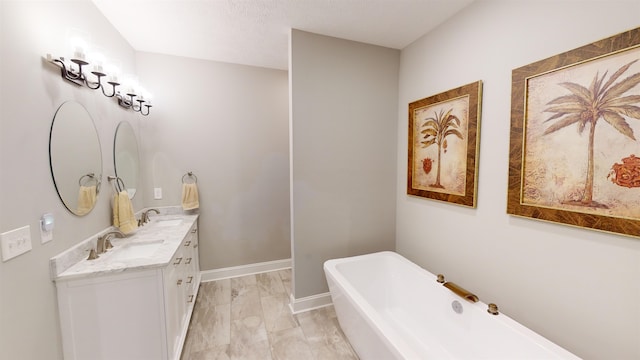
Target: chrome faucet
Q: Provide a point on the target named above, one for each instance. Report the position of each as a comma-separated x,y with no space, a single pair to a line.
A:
144,218
104,241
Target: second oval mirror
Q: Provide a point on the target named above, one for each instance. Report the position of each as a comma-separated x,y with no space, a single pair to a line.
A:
125,157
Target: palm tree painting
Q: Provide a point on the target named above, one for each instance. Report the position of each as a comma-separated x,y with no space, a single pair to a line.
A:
581,122
440,146
436,130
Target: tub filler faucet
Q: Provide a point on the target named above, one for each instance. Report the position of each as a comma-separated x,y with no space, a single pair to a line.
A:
460,291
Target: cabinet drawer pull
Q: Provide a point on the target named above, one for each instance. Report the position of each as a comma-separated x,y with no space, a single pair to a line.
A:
188,243
190,298
179,281
188,261
178,261
190,279
194,231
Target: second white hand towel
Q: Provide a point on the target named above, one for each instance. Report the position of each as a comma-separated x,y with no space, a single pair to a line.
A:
123,216
190,199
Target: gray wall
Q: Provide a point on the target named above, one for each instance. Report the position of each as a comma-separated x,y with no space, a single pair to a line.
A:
576,287
343,134
30,92
229,125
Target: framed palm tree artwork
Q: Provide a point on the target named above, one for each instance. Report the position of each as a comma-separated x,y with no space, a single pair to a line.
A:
575,137
444,145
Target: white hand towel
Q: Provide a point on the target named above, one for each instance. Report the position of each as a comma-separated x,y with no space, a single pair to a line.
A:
86,199
190,196
123,215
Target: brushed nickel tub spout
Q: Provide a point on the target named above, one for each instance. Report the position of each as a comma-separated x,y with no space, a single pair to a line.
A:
460,291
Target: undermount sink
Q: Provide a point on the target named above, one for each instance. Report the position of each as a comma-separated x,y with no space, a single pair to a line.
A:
136,250
172,222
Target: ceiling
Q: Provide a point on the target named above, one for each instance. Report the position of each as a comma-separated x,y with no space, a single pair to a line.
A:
256,32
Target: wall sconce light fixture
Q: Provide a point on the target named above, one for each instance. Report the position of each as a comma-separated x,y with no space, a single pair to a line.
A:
73,72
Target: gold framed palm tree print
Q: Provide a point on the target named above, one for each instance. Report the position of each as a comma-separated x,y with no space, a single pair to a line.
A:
443,145
575,137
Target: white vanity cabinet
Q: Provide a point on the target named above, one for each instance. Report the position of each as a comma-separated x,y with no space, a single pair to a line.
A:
137,314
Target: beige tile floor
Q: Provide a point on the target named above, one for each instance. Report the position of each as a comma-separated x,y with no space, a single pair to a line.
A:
249,318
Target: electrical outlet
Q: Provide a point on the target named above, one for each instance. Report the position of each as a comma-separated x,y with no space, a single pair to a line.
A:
45,236
15,242
157,193
47,223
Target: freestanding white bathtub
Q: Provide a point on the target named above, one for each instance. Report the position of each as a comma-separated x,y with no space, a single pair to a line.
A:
390,308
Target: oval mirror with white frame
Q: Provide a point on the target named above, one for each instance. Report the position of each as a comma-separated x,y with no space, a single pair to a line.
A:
75,158
126,159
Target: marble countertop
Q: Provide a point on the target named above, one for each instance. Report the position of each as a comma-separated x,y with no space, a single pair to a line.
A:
152,245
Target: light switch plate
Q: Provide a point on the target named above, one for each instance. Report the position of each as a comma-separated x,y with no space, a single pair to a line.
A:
157,193
15,242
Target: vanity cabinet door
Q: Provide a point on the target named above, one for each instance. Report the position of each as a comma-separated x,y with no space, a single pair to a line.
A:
113,317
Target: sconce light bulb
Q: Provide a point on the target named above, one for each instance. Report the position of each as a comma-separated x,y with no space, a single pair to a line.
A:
97,58
79,54
112,70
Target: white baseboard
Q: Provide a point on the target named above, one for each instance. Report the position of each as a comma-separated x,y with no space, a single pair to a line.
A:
309,302
235,271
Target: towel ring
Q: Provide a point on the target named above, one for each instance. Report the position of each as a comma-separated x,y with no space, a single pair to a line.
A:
191,175
90,176
118,186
